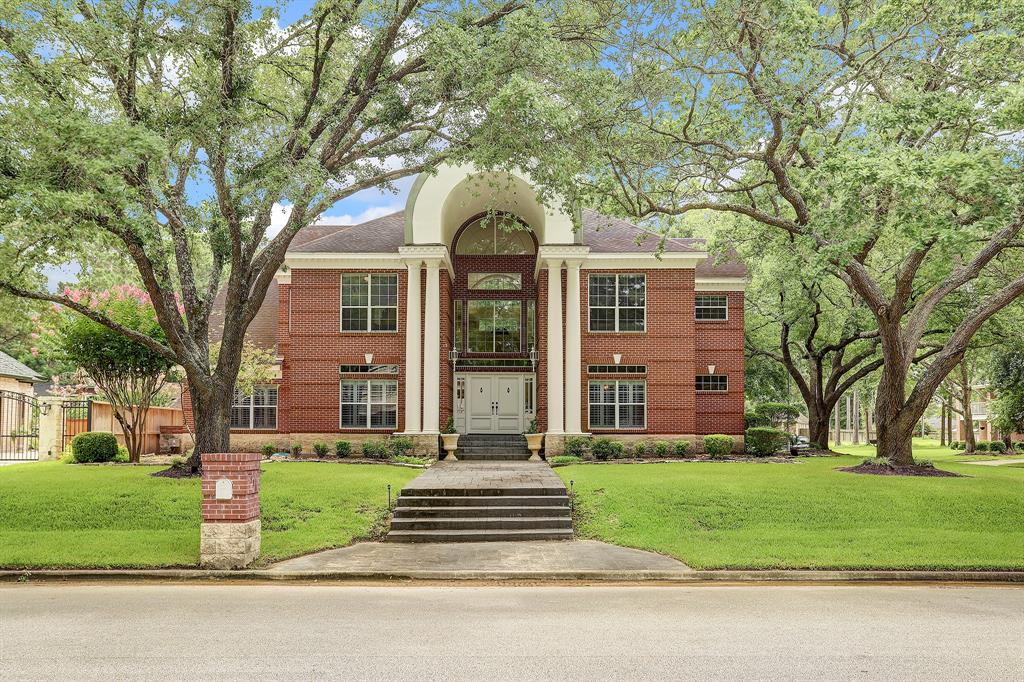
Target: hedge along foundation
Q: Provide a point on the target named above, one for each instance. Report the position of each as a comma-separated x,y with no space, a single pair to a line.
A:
230,533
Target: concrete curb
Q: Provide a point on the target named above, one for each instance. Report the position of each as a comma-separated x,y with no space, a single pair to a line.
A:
554,577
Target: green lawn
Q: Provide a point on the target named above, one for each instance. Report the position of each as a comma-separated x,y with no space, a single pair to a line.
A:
58,515
807,514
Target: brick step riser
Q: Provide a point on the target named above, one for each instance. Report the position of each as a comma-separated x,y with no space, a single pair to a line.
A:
481,524
482,511
436,501
480,536
493,458
488,448
497,442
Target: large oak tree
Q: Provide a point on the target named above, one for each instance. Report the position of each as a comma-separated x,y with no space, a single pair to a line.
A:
168,133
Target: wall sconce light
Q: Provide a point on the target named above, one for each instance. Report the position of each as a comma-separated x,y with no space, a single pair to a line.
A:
534,356
453,356
44,408
617,357
711,369
368,357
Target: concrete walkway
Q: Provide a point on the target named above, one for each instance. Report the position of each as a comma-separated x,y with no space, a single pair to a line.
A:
487,475
505,558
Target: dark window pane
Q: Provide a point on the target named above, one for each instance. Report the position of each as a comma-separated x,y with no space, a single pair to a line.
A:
631,319
385,319
602,319
602,290
353,319
631,290
354,290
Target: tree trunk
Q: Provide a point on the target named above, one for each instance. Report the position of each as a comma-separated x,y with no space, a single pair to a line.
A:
855,414
969,439
942,423
212,416
818,426
894,419
838,423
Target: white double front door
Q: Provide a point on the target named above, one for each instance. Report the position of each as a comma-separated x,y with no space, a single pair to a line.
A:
493,403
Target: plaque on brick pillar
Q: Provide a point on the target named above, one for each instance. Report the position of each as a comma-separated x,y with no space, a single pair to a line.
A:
230,533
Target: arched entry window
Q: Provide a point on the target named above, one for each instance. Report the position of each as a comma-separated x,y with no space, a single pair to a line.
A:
495,235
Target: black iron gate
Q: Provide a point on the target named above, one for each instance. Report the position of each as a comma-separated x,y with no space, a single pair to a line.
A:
76,418
19,426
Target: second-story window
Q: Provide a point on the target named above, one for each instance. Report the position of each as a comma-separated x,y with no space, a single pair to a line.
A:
369,302
711,307
618,302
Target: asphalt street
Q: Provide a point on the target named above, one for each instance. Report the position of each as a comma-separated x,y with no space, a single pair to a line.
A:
351,632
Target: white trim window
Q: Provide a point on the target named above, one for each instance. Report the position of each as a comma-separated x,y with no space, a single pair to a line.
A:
712,383
617,302
255,411
618,404
711,307
369,404
369,302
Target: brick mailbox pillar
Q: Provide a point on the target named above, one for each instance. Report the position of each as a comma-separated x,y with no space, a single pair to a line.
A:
230,534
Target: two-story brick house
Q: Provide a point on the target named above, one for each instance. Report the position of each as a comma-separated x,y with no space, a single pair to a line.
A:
479,303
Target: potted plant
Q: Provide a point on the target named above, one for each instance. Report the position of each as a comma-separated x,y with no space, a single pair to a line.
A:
534,440
450,438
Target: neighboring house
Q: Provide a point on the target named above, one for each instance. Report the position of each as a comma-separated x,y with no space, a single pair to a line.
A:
442,310
16,377
982,416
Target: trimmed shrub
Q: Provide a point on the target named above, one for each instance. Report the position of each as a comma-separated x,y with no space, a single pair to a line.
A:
399,446
296,449
639,449
955,445
94,446
982,446
122,455
661,449
374,449
577,446
718,446
267,450
996,446
606,448
681,448
565,459
752,419
764,441
320,448
342,448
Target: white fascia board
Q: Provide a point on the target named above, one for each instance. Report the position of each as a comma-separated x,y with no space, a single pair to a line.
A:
646,261
720,284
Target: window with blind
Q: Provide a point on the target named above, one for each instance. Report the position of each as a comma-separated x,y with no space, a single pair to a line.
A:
618,404
255,411
369,404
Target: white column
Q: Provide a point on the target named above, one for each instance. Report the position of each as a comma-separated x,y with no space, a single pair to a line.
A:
413,348
573,343
432,350
556,376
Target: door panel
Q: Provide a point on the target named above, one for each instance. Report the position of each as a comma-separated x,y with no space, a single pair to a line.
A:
481,404
508,396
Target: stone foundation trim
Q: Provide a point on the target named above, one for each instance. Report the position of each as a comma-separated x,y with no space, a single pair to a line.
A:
229,545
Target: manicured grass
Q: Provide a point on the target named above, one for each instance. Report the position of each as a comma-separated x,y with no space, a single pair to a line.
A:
58,515
807,514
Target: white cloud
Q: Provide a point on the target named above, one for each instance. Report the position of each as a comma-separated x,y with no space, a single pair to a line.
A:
278,218
349,219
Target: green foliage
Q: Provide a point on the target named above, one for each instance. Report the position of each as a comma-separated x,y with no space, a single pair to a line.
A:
449,426
533,427
777,414
267,450
375,449
400,446
342,448
764,441
565,459
606,448
718,446
639,449
296,450
577,446
682,448
982,446
755,418
660,448
320,448
122,455
94,447
996,446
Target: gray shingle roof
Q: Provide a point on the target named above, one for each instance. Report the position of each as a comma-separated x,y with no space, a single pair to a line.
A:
9,367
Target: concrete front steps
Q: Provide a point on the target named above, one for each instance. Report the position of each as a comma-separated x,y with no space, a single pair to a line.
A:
492,448
454,513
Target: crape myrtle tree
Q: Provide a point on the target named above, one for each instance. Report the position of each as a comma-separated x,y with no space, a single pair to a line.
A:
130,374
172,133
882,137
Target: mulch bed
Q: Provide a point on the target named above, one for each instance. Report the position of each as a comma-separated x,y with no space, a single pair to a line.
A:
884,470
176,472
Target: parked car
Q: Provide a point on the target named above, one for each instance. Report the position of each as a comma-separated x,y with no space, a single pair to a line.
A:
798,443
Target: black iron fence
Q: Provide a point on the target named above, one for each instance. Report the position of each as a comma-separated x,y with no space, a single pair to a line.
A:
19,426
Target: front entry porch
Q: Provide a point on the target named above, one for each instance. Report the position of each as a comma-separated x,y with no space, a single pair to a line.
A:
494,403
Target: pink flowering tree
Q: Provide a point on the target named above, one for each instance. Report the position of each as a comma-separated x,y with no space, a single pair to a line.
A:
129,373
